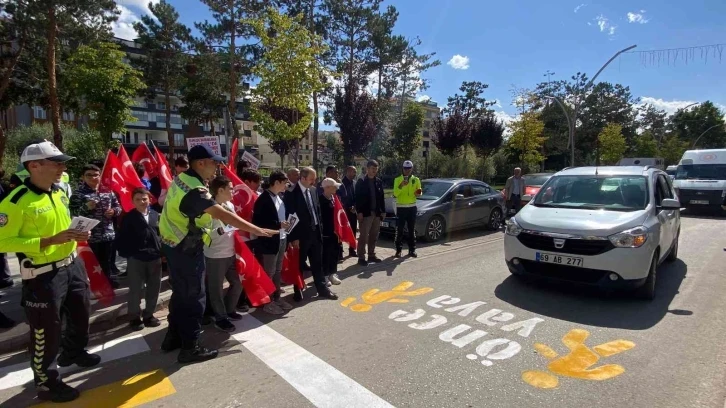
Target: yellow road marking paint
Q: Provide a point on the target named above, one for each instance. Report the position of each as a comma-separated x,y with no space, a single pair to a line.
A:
578,362
137,390
375,296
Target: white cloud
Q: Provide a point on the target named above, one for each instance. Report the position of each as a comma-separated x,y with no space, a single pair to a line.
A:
459,62
637,17
124,26
604,24
141,5
579,7
422,98
671,106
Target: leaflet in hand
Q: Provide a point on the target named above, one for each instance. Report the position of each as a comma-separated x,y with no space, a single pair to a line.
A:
292,220
83,224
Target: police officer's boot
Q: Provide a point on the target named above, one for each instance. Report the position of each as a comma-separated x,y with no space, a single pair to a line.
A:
195,353
82,359
171,342
56,391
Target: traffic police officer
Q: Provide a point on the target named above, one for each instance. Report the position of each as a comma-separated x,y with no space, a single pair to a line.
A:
185,225
406,188
35,220
18,177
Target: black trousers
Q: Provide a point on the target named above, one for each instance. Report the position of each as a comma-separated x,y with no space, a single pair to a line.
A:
105,254
47,299
188,297
5,270
406,217
330,255
311,248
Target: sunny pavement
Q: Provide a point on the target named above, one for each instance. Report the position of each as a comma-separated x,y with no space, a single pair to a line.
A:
672,350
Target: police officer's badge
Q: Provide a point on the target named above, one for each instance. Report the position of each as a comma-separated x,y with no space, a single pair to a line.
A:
3,220
64,200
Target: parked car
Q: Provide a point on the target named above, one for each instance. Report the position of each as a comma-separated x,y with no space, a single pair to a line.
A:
604,226
532,183
453,204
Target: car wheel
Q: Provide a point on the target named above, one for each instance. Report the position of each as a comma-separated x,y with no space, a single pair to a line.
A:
495,220
435,229
647,291
673,255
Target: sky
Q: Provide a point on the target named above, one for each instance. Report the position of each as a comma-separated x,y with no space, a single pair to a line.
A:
513,44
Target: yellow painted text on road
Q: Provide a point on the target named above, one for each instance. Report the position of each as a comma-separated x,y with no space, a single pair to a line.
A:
578,362
135,391
375,296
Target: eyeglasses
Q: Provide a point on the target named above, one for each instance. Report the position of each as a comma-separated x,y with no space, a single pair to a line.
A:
92,175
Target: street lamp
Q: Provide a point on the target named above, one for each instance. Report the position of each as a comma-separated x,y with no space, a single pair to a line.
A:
704,132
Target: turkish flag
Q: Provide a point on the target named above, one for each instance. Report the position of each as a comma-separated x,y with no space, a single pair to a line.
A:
162,169
143,155
291,268
233,153
257,285
113,179
100,286
342,226
243,197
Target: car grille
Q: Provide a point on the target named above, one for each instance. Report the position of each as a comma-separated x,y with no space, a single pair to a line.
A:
713,196
572,246
563,272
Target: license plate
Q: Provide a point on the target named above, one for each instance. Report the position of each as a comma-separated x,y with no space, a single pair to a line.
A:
384,224
559,259
702,202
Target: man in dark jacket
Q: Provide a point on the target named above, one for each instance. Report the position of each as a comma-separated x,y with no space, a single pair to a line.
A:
346,192
138,242
371,209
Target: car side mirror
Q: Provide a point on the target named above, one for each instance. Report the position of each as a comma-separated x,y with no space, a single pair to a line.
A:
459,197
670,204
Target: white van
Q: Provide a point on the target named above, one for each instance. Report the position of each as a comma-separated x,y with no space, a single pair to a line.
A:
671,171
701,178
656,162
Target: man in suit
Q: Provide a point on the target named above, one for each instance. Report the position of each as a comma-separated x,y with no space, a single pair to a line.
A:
307,234
514,190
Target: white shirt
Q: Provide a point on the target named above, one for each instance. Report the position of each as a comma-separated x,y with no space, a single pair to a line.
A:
222,245
280,207
516,186
311,203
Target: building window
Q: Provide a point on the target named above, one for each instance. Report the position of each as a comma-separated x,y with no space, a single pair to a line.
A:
307,147
175,119
143,116
127,137
178,139
39,113
262,157
161,105
136,137
160,118
426,133
69,116
248,133
301,157
427,124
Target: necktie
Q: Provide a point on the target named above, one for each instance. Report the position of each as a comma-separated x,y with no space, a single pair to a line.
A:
309,201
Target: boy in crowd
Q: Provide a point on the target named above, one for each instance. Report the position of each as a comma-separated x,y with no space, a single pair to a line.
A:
138,241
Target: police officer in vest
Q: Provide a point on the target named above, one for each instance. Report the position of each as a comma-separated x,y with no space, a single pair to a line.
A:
185,225
18,177
34,220
406,188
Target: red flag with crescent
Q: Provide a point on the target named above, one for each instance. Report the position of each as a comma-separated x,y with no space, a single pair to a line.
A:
243,198
143,155
100,286
342,226
291,268
113,179
162,168
257,285
233,152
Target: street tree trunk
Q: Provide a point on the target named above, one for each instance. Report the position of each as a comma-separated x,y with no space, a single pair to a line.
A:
316,126
52,85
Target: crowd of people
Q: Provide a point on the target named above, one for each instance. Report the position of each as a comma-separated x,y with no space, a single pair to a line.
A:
188,230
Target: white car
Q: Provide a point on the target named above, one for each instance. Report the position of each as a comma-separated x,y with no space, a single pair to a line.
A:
604,226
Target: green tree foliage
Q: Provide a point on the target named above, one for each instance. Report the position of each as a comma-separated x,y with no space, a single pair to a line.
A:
644,145
282,147
203,88
289,74
691,124
356,115
165,41
527,139
407,132
107,85
451,132
612,144
487,135
672,149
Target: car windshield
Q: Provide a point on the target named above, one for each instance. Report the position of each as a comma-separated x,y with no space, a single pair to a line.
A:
615,193
536,180
701,172
433,190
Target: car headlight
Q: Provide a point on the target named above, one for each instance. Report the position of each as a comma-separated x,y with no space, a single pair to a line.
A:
512,228
632,238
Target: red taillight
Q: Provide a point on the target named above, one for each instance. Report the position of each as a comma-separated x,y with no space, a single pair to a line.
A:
531,190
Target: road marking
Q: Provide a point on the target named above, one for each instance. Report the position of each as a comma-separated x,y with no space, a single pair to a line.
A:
319,382
19,374
135,391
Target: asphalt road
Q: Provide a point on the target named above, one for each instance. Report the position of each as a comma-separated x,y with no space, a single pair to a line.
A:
419,349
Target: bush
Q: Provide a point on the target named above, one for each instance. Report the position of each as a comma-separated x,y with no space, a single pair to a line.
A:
85,145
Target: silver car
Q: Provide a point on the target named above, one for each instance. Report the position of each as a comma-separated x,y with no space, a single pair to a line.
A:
604,226
453,204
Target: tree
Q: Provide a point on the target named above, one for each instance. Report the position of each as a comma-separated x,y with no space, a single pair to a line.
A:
672,149
654,121
471,103
407,73
527,139
356,116
645,145
107,85
288,73
203,88
451,132
407,131
68,23
612,143
232,25
282,148
705,121
387,50
487,135
165,41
